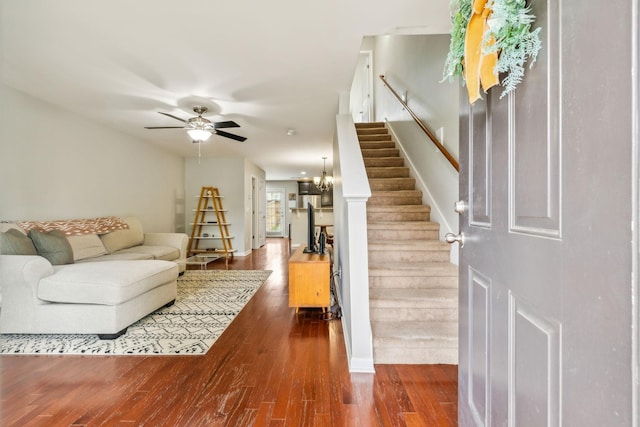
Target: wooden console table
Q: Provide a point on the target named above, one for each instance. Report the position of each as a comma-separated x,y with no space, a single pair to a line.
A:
309,280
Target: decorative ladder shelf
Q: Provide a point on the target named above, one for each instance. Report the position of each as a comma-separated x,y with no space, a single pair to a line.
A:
207,195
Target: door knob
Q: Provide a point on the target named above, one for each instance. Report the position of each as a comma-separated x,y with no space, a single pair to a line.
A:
460,207
451,238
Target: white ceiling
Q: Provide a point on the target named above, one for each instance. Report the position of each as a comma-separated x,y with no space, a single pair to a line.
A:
268,65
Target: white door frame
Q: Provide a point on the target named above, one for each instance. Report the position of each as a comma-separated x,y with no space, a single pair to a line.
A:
254,213
262,215
635,215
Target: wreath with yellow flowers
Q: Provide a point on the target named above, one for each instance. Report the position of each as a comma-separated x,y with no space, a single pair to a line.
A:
488,38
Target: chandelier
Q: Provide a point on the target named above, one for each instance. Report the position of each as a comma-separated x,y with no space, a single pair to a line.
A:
325,182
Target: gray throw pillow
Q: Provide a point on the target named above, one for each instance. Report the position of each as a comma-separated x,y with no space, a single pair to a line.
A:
53,245
15,242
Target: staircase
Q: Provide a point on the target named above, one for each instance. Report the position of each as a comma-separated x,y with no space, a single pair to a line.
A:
413,288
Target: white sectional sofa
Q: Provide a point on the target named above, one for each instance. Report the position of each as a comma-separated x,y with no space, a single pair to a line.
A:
82,293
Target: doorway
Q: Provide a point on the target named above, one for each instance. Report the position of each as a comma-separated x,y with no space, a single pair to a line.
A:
361,95
275,212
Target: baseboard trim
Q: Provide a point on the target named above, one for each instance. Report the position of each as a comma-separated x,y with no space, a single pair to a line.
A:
360,365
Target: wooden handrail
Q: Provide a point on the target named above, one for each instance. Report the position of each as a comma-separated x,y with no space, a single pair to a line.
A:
426,130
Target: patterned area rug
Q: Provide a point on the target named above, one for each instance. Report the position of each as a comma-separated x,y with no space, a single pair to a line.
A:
207,302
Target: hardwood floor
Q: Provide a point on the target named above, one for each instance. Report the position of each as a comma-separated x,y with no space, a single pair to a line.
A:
271,367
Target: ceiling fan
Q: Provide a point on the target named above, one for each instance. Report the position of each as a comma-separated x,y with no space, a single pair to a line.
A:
200,128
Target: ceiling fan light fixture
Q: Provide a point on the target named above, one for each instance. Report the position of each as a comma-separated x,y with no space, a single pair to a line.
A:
199,134
200,129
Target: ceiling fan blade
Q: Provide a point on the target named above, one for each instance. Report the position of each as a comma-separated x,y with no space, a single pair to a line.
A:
164,127
172,116
227,124
230,135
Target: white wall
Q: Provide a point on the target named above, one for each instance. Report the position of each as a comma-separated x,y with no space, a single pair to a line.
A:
55,164
413,64
232,177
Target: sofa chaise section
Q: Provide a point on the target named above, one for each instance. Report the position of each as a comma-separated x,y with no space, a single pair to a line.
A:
94,276
101,298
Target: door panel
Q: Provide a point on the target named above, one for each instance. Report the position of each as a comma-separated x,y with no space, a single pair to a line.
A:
480,166
479,346
534,370
545,272
534,138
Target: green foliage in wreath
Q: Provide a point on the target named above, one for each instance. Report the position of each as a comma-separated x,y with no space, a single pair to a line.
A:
510,25
460,14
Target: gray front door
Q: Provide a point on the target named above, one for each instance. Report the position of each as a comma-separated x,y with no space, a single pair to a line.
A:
546,285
